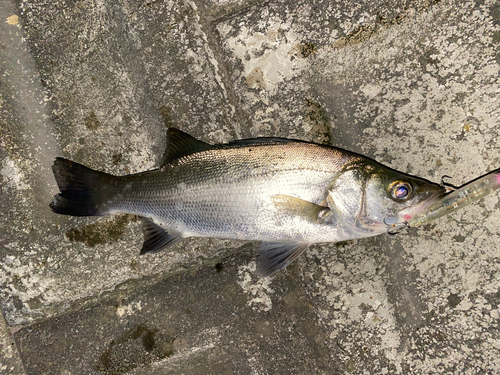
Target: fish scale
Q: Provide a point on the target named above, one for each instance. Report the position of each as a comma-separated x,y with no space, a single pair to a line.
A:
228,192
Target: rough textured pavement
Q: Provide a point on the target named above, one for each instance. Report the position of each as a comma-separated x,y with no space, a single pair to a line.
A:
412,84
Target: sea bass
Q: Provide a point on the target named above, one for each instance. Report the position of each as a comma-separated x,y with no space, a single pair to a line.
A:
287,194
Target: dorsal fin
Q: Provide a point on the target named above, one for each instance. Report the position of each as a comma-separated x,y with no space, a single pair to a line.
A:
253,141
181,144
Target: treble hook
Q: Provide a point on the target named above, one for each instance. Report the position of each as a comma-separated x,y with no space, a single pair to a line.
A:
393,229
447,186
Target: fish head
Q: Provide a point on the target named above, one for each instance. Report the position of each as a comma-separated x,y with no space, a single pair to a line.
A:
372,198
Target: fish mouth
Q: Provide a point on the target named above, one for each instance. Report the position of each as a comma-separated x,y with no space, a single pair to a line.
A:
405,215
409,213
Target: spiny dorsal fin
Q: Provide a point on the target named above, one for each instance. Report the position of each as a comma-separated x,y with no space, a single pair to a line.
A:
274,256
155,237
181,144
256,141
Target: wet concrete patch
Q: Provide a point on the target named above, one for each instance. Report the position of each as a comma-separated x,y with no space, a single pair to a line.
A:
138,346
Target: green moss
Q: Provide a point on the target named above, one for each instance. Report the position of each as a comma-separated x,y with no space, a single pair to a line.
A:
307,48
496,36
358,35
101,232
137,347
317,118
116,159
92,122
165,114
34,303
454,300
350,366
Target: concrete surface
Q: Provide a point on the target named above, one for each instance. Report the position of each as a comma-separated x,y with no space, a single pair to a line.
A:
413,84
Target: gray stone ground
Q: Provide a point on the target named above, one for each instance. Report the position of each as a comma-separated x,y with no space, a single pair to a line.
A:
413,84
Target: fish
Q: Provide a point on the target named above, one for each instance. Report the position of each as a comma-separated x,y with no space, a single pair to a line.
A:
286,194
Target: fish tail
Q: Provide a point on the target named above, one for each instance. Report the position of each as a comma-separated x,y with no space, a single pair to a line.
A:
82,189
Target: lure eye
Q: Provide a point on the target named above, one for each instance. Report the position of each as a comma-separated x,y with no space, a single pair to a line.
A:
401,191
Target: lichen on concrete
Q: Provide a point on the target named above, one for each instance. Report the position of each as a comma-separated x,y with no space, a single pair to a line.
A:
257,290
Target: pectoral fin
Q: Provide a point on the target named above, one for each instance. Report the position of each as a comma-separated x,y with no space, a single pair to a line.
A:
155,237
274,256
299,207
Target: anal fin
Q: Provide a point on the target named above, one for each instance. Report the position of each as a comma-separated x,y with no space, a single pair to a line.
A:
274,256
155,237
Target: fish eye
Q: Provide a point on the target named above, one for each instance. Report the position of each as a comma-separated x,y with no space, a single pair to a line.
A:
401,191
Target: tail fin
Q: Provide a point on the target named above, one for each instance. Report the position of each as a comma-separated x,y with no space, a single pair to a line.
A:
81,189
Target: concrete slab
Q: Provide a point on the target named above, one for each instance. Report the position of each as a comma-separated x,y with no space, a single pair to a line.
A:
100,85
428,103
10,361
270,49
199,322
413,84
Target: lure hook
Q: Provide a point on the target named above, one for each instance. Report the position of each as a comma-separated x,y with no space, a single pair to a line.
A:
447,186
393,229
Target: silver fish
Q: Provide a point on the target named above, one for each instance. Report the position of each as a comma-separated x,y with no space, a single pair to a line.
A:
287,194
